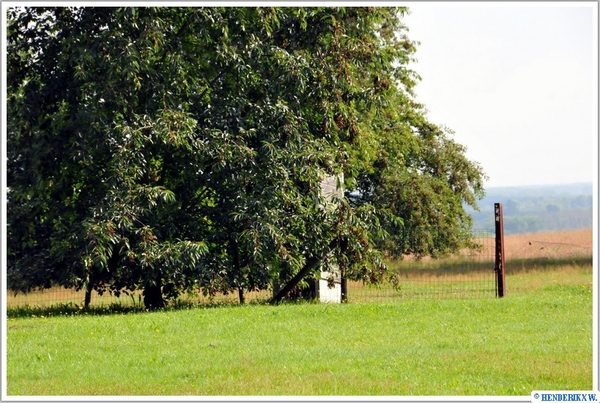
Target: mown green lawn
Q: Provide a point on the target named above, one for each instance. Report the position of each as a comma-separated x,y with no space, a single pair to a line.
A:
535,340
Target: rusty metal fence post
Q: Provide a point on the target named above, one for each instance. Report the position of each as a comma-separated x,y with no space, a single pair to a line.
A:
499,265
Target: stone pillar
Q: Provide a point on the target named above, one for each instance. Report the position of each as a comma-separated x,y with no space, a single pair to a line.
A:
329,189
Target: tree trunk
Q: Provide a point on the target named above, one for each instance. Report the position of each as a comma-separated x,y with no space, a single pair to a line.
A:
237,268
88,296
344,288
310,264
88,289
153,298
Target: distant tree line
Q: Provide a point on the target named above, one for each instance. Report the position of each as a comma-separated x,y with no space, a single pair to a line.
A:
546,209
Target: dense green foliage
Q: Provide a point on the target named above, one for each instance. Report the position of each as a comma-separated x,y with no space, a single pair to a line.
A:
170,149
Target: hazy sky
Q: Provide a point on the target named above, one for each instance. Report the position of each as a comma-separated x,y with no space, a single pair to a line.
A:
516,82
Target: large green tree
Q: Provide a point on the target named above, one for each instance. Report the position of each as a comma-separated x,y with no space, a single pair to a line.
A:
174,149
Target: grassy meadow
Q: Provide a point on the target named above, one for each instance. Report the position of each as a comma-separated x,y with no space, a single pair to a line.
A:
539,337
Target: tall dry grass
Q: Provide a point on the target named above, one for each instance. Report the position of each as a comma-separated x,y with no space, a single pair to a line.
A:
549,244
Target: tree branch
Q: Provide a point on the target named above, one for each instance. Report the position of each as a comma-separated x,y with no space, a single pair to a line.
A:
310,264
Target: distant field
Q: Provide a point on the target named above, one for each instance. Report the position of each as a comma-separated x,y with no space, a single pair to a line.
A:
549,244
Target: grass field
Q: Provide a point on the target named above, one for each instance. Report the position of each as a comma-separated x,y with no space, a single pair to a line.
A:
537,338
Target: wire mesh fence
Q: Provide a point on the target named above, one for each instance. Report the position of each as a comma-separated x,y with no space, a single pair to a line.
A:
471,274
468,274
550,251
62,296
59,295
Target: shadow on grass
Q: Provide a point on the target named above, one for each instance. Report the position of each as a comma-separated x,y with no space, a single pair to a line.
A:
72,309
